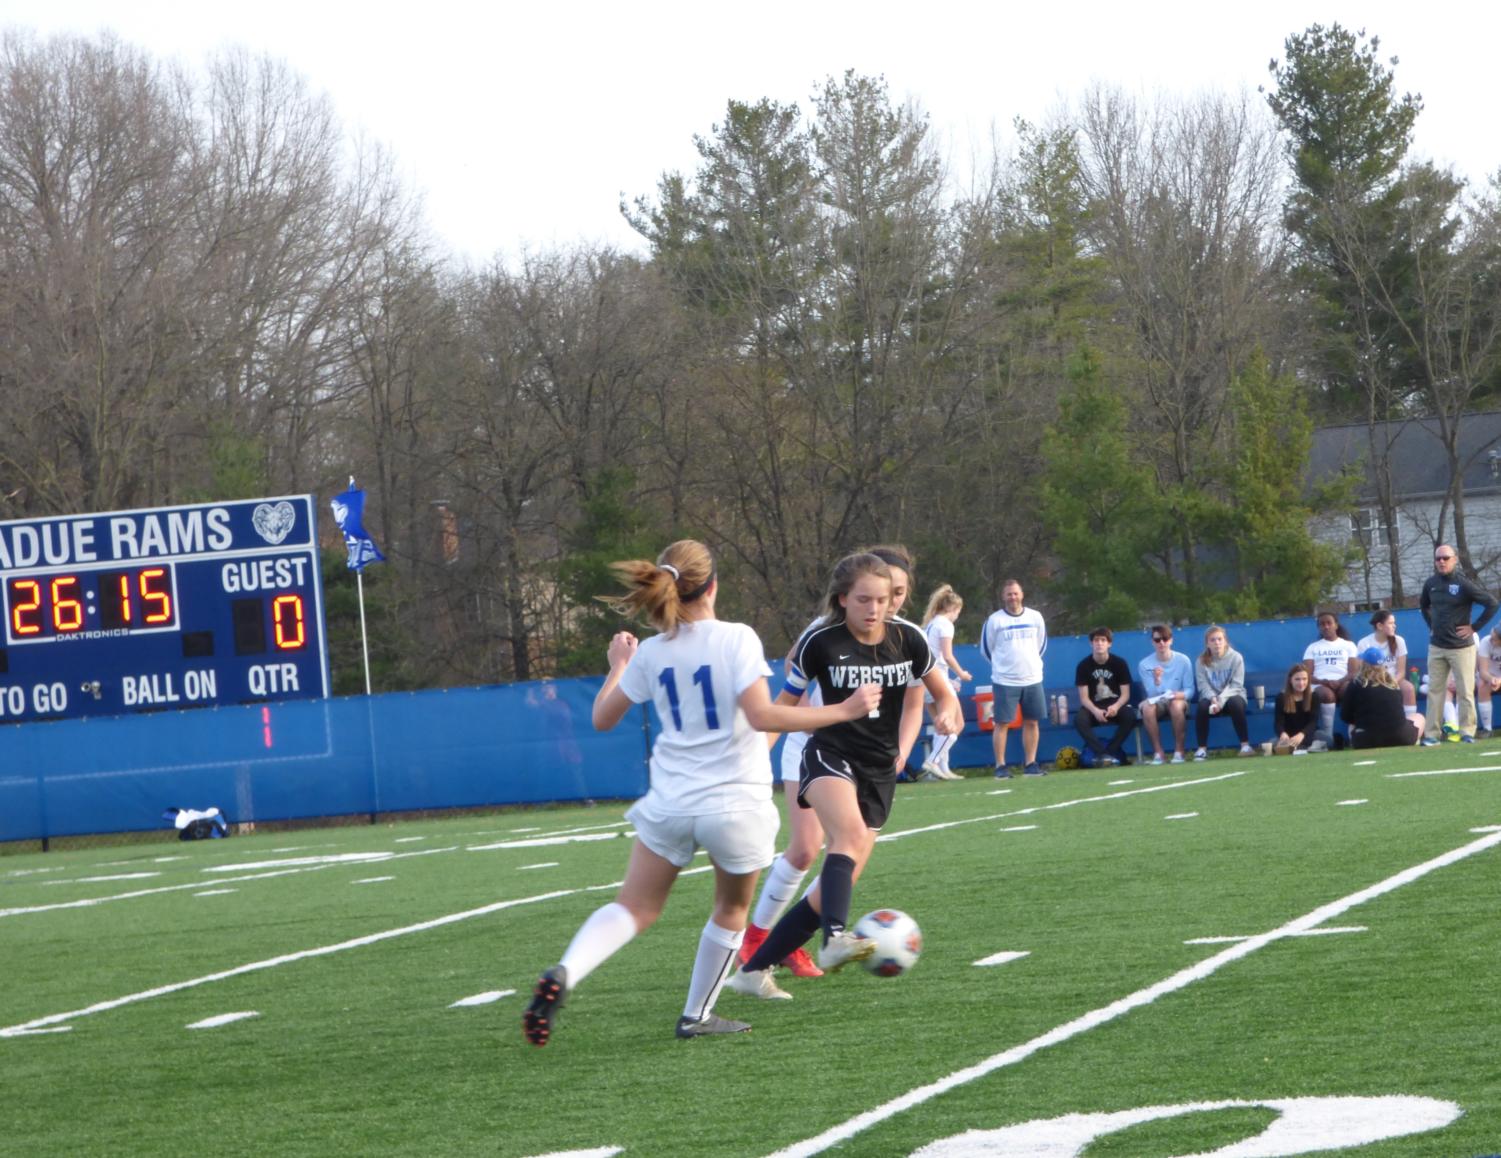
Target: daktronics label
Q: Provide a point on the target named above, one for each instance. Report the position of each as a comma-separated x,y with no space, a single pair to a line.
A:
163,608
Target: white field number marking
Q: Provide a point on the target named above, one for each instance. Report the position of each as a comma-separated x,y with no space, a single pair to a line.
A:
1115,1010
1303,1126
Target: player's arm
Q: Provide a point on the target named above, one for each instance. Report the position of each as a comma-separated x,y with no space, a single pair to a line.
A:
948,658
911,725
766,716
948,718
610,703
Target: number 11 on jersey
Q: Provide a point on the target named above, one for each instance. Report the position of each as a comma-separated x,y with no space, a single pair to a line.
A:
669,680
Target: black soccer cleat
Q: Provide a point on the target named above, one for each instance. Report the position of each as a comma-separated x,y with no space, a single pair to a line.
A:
547,999
713,1023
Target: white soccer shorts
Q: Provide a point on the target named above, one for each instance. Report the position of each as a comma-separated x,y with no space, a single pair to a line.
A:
738,842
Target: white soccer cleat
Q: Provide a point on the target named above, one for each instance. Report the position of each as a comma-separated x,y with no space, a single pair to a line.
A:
843,948
758,984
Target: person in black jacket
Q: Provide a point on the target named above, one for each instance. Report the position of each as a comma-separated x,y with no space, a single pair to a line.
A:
1373,707
1296,715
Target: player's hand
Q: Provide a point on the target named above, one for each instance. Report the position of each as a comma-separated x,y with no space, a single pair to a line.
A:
622,646
964,675
863,700
1214,708
949,721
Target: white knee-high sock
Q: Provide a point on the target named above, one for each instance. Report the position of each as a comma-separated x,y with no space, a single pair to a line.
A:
1483,710
716,955
1451,713
608,930
777,893
942,745
1326,719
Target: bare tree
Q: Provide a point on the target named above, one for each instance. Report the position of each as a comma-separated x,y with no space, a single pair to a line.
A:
1186,197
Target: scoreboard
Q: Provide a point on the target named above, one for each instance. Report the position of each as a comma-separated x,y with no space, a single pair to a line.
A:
172,607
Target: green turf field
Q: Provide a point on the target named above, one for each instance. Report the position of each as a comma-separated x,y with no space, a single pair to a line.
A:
1362,1006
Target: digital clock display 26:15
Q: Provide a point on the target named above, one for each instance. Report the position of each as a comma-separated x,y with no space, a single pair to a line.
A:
55,606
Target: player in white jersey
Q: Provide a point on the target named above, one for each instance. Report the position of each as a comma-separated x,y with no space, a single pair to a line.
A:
944,607
1332,661
710,777
1384,636
806,838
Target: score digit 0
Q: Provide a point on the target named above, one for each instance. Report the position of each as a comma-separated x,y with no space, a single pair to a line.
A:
286,622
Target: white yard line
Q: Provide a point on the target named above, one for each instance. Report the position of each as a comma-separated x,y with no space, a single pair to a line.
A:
1116,1009
313,864
289,958
36,1024
222,1019
1444,772
488,998
1004,957
1060,804
305,865
90,902
1326,931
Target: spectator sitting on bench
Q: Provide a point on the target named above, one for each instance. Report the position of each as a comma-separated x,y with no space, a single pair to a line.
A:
1168,679
1104,683
1296,716
1331,661
1220,676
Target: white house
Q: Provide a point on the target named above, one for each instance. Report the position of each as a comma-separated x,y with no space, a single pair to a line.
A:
1422,514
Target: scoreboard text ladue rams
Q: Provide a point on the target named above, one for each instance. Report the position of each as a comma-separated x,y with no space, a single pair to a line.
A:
174,607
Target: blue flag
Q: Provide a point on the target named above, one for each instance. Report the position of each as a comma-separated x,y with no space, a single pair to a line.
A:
349,512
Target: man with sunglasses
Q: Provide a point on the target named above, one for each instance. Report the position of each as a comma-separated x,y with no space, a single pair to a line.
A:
1447,603
1167,677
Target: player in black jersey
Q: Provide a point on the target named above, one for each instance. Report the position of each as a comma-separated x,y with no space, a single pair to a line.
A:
849,769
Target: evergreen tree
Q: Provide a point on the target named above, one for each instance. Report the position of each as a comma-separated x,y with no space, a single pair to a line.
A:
1103,508
1281,569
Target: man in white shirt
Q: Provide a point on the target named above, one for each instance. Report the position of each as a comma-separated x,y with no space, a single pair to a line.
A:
1014,640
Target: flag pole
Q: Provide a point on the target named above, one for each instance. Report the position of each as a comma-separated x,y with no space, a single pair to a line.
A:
359,582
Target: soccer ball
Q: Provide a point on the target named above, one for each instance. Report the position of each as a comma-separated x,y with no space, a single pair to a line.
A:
897,938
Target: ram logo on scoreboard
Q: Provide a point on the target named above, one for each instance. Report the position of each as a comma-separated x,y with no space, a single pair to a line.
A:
174,607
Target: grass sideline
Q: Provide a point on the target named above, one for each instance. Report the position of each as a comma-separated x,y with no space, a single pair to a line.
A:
357,1048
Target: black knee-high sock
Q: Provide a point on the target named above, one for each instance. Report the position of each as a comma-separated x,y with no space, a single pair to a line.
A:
798,924
835,885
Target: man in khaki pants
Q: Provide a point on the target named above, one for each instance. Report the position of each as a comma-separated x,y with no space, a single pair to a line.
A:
1447,602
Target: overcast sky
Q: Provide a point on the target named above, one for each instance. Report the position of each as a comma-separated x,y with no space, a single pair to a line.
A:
523,127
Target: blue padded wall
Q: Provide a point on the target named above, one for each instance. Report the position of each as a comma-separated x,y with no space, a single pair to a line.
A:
464,747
